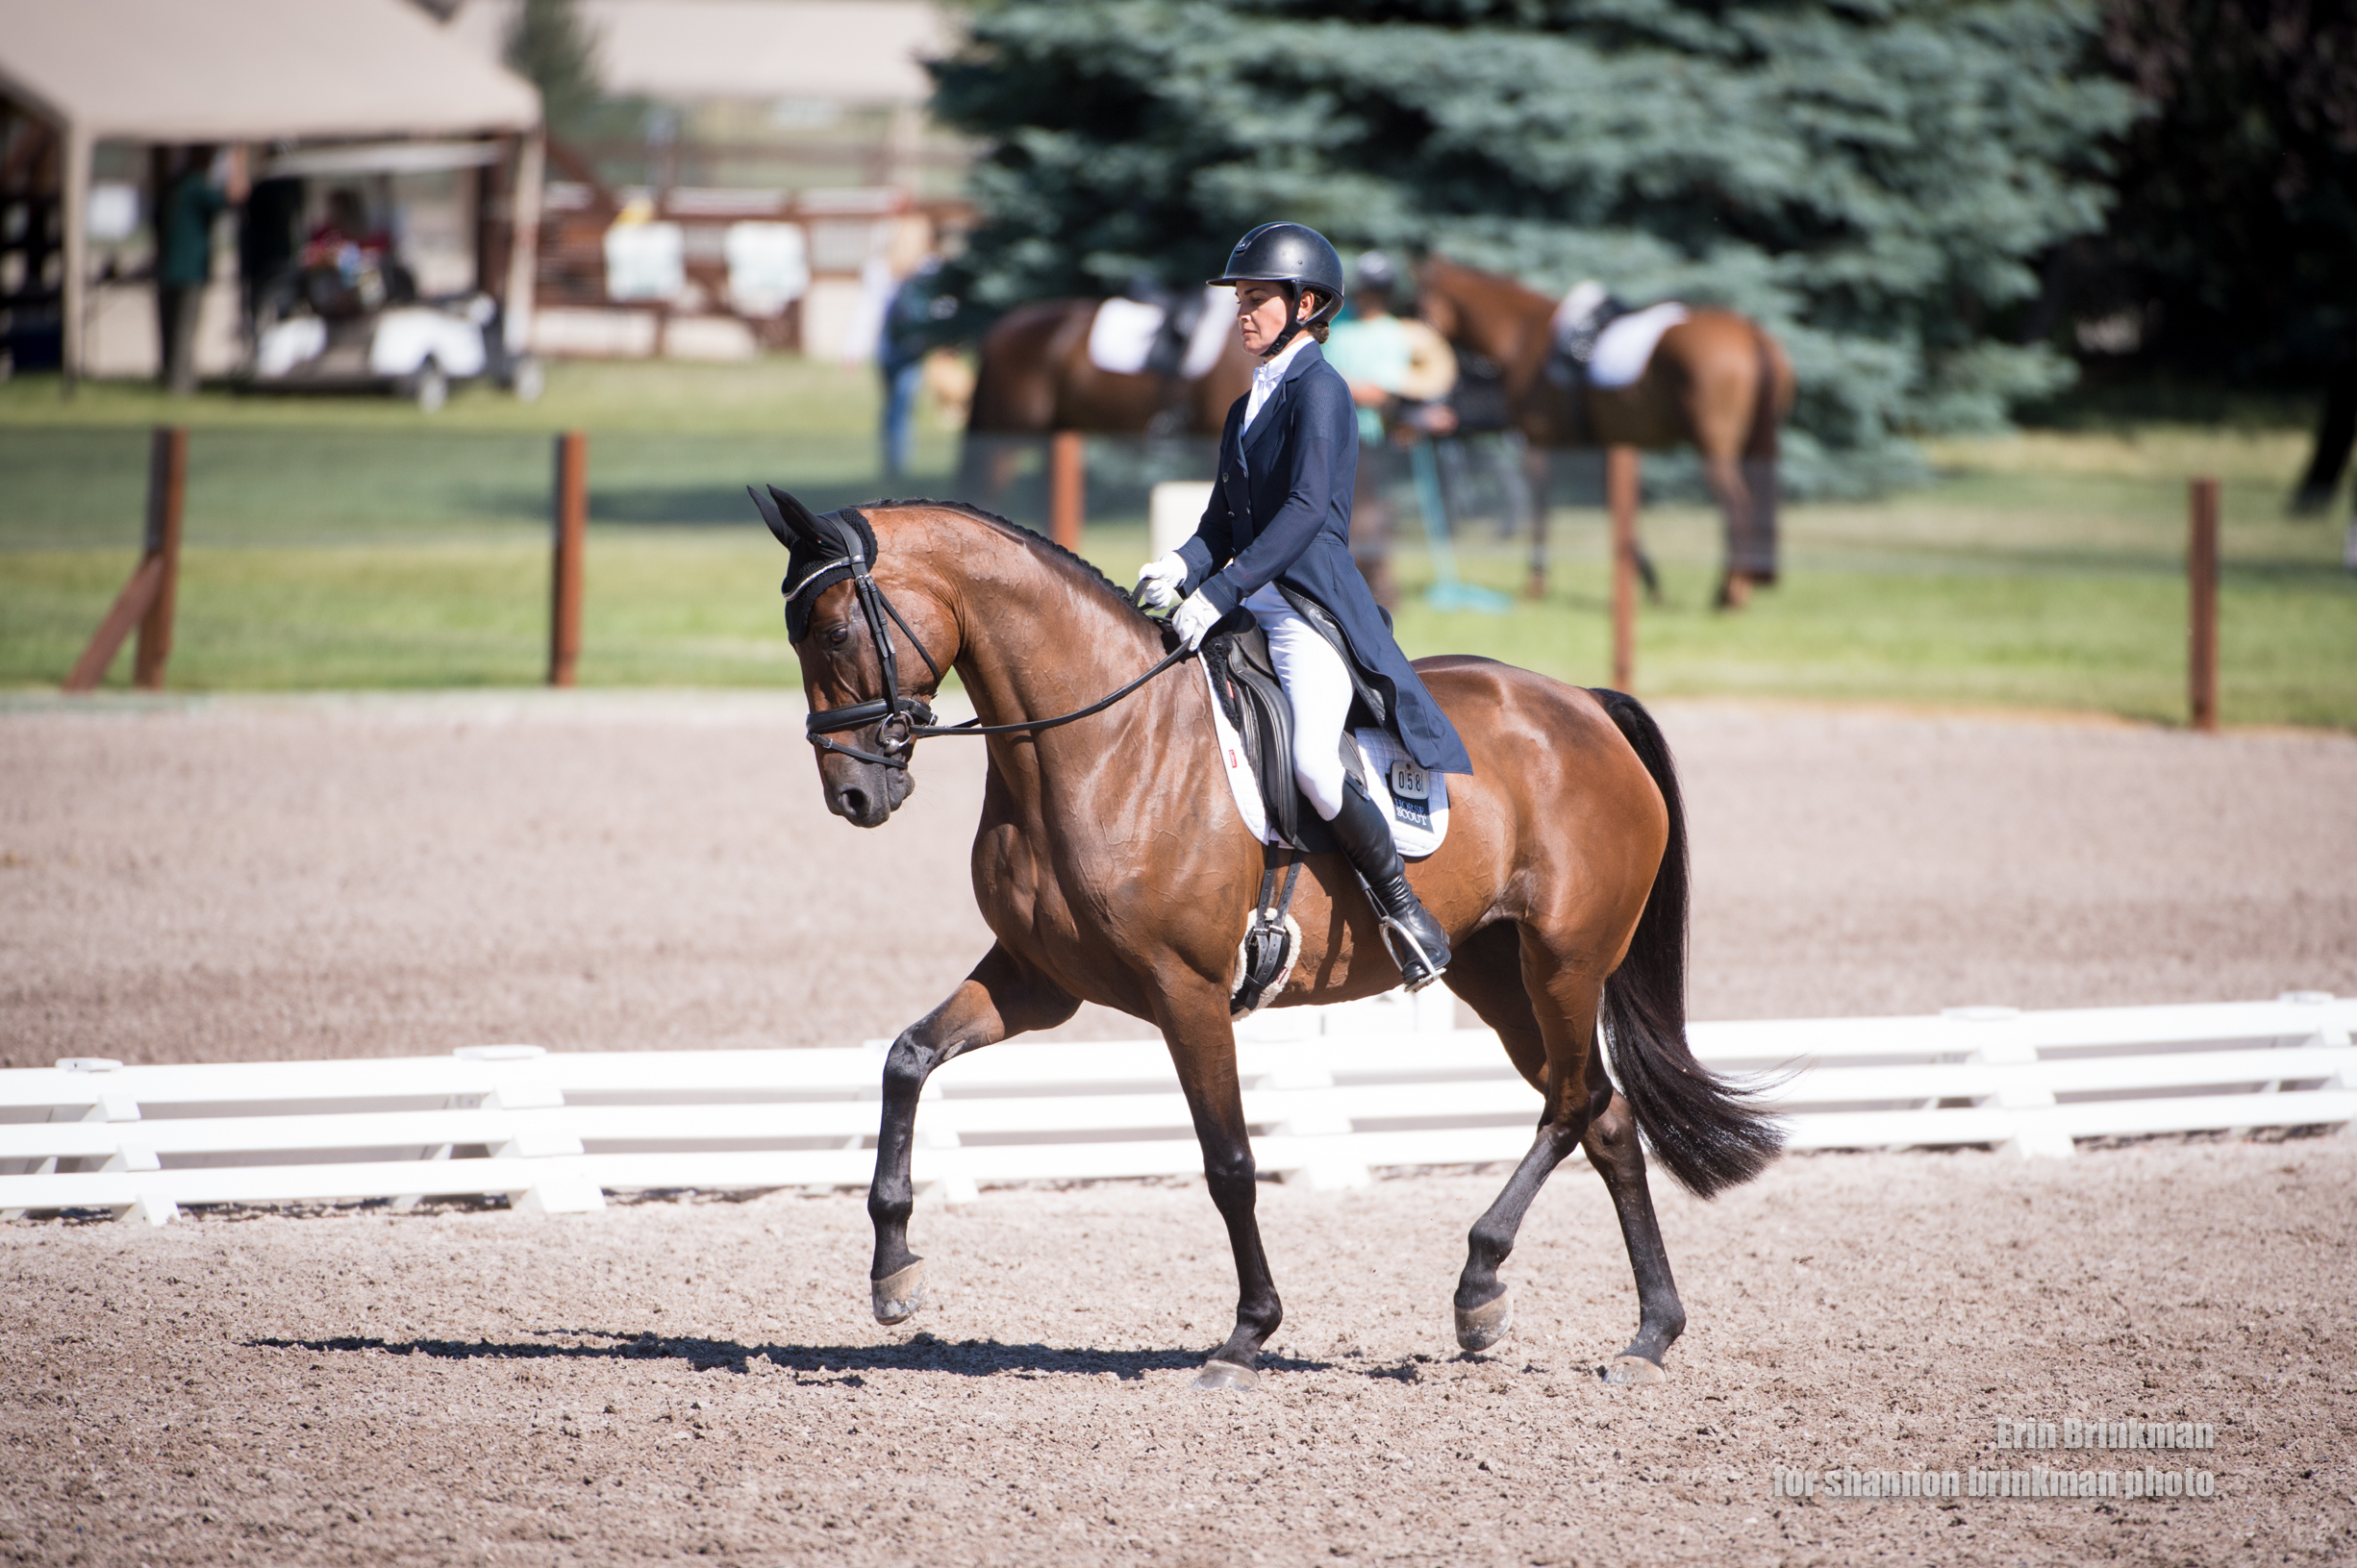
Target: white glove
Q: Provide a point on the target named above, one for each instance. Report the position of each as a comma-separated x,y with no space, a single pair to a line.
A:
1157,582
1193,620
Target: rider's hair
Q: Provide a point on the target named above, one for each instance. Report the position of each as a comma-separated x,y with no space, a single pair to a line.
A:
1318,330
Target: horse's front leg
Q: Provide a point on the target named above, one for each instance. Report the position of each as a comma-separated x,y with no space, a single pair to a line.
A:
1538,472
1203,1048
1002,997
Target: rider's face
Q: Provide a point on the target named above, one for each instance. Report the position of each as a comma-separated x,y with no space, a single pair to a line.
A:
1259,312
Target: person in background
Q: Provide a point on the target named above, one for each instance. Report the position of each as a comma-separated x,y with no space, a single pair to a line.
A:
913,327
268,240
201,182
345,240
1397,368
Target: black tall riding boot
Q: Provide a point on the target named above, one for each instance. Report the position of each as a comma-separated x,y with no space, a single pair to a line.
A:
1415,937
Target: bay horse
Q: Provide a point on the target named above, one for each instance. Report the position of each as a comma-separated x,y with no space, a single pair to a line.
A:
1717,380
1111,867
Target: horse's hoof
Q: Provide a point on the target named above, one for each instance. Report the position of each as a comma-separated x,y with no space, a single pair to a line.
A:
1217,1374
1632,1371
1478,1328
899,1294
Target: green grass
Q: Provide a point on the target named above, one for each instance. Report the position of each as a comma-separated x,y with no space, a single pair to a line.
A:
354,542
2043,571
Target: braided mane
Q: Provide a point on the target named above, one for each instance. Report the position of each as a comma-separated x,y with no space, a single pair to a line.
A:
1039,542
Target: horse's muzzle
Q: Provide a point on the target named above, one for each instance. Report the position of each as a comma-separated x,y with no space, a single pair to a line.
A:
861,793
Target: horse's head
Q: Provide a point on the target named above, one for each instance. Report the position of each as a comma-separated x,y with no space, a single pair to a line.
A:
1493,315
864,672
1436,301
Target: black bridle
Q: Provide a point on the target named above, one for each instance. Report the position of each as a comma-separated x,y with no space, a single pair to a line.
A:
835,549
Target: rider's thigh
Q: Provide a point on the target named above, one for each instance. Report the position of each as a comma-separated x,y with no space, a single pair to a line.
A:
1319,687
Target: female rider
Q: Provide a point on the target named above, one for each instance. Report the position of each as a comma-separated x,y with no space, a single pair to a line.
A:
1276,540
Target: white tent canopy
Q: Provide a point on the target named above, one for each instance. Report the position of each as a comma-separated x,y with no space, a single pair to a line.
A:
251,71
168,71
827,51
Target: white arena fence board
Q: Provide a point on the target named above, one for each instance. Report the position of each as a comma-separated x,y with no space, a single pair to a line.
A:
1330,1093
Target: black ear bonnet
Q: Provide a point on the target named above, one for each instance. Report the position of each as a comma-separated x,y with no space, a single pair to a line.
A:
819,550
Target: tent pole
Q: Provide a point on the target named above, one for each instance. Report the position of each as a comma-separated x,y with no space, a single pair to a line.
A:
523,241
73,202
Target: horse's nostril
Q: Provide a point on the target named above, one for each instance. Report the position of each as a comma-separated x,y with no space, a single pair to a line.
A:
855,803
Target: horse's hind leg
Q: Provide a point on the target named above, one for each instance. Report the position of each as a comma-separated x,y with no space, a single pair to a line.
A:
1001,997
1495,972
1620,1160
1725,478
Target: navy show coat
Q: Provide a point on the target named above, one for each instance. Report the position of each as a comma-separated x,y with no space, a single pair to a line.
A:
1281,513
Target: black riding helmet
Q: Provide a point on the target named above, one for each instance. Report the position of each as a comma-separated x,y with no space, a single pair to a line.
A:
1294,257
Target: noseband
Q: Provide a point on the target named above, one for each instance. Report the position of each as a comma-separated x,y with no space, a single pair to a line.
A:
844,549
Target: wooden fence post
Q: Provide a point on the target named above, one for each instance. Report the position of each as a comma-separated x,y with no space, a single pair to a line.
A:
1066,494
1620,496
168,492
2201,593
572,518
148,600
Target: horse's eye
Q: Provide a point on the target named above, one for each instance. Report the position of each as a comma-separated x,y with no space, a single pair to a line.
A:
839,636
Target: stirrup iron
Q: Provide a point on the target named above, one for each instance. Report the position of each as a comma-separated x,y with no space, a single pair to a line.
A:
1424,971
1415,975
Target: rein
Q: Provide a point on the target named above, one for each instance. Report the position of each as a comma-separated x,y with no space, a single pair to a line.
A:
901,722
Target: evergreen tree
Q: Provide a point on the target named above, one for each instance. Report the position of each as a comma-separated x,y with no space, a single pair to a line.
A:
2235,241
1871,178
548,45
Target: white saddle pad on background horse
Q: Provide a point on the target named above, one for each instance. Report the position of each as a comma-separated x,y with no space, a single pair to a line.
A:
1624,348
1414,800
1122,333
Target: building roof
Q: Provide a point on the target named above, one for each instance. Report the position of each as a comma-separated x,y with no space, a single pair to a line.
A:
252,71
834,51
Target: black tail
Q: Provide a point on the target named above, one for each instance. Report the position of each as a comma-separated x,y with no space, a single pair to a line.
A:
1712,1134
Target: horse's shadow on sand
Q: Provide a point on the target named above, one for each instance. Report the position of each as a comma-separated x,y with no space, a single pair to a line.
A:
839,1364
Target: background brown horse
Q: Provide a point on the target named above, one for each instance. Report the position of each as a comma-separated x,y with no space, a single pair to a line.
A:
1035,376
1717,380
1111,867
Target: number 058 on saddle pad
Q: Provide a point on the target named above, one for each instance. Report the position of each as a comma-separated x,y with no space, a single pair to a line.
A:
1414,800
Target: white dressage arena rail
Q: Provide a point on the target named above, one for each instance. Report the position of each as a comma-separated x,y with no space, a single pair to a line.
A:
1331,1094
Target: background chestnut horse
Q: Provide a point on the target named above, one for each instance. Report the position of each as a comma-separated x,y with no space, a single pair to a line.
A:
1717,380
1111,867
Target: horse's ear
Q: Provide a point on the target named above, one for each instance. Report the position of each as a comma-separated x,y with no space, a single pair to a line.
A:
799,517
769,515
787,518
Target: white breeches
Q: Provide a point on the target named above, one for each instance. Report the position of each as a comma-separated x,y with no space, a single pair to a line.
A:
1320,689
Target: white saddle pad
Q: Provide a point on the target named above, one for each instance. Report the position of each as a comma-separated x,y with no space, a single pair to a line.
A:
1625,347
1414,800
1123,333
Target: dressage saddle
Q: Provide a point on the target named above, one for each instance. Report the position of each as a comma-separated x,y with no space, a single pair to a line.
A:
1245,680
